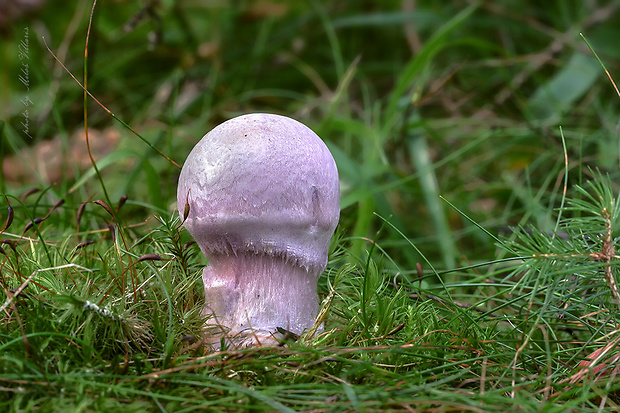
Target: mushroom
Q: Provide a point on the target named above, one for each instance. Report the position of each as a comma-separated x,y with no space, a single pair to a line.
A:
263,198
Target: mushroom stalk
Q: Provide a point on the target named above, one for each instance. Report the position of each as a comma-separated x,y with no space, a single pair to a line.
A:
256,294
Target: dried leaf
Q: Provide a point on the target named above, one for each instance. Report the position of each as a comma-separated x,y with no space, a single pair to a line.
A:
28,193
150,257
186,212
56,205
84,243
80,211
121,202
419,271
36,221
9,217
11,243
104,206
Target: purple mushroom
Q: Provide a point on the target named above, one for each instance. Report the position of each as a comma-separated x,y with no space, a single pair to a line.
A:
263,198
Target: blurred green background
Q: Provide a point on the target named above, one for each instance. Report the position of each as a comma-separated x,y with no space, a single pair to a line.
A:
415,99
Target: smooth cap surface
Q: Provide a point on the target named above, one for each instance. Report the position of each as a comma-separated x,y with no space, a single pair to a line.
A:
263,184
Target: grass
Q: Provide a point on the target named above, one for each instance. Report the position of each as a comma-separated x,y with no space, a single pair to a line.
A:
474,265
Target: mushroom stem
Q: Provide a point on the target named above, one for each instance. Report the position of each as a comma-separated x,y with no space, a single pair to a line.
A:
254,294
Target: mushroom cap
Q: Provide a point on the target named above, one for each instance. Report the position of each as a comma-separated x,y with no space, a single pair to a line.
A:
262,184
